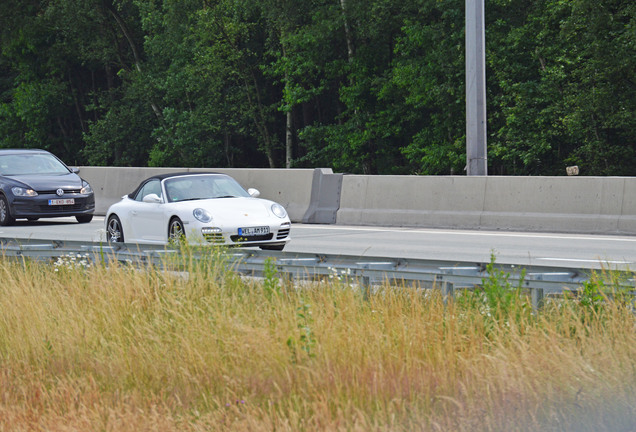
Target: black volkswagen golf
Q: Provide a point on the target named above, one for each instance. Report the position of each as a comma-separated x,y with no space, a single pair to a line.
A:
36,184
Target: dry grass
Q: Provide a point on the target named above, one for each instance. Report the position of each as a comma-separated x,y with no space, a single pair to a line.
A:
118,349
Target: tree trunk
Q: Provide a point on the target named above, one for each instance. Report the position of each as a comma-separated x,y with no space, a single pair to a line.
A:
124,29
259,119
288,122
343,7
228,154
288,141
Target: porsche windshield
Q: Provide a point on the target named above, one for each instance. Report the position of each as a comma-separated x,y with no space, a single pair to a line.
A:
198,187
33,163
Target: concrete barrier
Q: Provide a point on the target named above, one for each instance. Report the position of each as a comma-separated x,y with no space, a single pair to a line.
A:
599,205
627,219
564,204
426,201
561,204
291,188
325,197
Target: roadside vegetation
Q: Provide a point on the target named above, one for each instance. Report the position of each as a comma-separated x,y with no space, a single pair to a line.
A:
359,86
88,346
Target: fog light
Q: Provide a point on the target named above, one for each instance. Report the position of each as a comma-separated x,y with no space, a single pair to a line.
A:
209,230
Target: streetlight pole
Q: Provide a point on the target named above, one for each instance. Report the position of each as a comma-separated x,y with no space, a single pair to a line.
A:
476,155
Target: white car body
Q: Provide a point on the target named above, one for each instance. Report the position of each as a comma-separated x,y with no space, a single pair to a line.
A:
148,214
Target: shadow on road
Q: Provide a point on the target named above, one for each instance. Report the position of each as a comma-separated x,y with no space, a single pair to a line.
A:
41,223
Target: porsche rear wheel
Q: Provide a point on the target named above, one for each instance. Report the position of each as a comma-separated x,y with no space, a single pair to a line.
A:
5,212
176,232
114,230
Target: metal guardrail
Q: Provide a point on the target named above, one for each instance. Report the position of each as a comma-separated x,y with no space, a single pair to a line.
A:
364,271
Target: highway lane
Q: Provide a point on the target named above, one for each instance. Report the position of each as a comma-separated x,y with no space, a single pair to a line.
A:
520,248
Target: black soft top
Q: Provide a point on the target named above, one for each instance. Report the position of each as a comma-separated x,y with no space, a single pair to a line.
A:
168,175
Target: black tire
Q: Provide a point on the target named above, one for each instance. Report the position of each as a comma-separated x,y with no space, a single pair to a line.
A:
5,212
273,247
114,230
84,218
176,232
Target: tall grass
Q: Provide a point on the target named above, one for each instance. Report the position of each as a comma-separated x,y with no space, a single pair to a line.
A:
117,348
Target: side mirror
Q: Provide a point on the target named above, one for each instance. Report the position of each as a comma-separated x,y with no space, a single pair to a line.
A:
75,170
254,193
152,198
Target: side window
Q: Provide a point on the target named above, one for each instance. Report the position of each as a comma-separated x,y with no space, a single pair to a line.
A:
152,187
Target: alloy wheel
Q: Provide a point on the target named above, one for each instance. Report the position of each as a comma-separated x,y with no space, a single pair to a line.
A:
115,232
5,214
175,230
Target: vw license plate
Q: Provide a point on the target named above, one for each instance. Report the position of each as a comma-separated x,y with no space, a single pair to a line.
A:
67,201
253,231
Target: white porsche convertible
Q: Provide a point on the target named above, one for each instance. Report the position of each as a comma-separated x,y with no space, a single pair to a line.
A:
205,208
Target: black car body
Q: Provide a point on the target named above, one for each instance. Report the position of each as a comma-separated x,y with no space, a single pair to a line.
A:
36,184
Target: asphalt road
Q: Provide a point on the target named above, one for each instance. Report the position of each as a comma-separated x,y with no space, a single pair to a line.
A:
521,248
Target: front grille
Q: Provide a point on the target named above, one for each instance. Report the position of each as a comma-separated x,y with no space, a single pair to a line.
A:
61,208
240,239
52,192
282,233
214,238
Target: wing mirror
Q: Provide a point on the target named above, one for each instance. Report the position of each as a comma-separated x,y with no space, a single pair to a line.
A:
254,193
152,198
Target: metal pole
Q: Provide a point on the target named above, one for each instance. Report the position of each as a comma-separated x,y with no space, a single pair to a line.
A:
537,298
476,154
365,285
448,291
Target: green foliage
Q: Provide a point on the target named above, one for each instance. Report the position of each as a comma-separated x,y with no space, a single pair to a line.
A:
429,70
305,340
605,288
271,280
497,299
371,86
500,294
591,296
563,83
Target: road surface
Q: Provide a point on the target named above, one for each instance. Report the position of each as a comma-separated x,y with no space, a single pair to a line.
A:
520,248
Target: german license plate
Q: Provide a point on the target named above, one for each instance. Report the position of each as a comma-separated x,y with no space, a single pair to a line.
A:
67,201
253,231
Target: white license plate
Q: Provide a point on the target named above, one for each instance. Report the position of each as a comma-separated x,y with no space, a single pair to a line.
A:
253,231
67,201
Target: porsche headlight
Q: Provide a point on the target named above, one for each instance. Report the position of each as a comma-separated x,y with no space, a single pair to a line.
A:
202,215
23,192
86,188
279,210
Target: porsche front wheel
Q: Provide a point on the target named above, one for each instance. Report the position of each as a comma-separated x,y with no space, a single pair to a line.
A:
114,230
176,232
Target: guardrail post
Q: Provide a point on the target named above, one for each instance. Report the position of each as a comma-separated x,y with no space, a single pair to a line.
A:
537,298
448,291
365,285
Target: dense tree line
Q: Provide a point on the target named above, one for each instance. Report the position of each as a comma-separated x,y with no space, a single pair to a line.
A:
364,86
